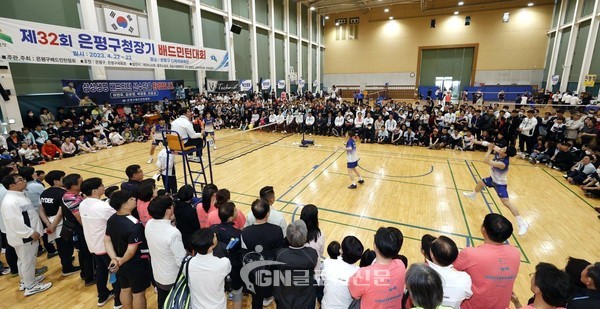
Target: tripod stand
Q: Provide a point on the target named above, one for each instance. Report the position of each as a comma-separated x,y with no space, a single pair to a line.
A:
305,142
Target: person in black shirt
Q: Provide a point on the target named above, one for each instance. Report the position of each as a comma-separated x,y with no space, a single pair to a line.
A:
265,239
51,214
299,262
126,245
135,175
186,217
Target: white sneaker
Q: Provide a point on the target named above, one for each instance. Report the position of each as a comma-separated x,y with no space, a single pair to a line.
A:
193,159
523,228
214,147
38,279
150,160
40,287
268,301
471,195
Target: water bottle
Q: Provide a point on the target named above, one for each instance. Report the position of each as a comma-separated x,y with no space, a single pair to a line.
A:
113,277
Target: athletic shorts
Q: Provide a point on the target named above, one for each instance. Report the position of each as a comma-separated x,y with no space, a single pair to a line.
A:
500,189
352,164
209,133
157,142
136,276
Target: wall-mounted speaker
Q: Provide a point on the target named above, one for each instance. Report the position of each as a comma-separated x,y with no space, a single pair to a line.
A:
4,93
235,29
468,21
432,24
3,67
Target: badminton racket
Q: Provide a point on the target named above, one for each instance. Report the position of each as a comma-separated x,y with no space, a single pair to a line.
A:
337,134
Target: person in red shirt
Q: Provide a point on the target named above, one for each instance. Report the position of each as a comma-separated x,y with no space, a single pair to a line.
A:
51,151
381,285
493,266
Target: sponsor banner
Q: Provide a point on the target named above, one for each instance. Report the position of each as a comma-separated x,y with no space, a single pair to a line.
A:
281,84
28,42
245,85
121,22
222,85
301,83
589,80
266,84
119,91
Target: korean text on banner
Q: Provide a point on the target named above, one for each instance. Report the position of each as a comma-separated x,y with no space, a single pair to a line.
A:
27,42
119,91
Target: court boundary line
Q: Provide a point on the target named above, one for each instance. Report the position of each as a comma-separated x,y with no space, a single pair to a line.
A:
562,184
399,176
462,209
400,181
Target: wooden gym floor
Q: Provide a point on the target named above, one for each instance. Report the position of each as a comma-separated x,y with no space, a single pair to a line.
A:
412,188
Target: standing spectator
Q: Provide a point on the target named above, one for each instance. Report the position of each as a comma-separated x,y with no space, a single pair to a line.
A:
381,285
135,175
186,218
297,261
275,216
9,254
167,173
493,266
207,272
336,273
94,214
23,231
526,131
265,239
51,215
456,284
146,192
127,248
315,238
424,286
46,117
590,297
165,245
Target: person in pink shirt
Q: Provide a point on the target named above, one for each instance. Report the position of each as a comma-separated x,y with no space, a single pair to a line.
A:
223,196
146,192
493,266
381,285
551,288
209,198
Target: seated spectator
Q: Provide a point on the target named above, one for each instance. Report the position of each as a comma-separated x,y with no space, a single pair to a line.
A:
14,140
564,159
298,261
165,246
580,171
493,266
550,286
127,135
590,297
127,248
456,284
51,151
386,271
30,155
424,286
574,268
84,145
337,271
40,136
137,133
186,219
115,138
68,148
100,140
426,241
207,272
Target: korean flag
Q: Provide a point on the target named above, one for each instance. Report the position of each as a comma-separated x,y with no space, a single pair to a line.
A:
121,22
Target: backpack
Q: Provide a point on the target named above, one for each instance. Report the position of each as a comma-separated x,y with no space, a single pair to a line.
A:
180,297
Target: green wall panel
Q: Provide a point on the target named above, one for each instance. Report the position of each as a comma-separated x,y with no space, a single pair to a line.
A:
294,54
217,75
555,15
44,78
304,21
322,66
135,4
262,45
262,11
562,52
278,10
588,7
305,63
240,8
582,35
454,62
241,43
293,18
595,67
314,62
279,58
547,69
213,30
214,3
570,11
55,12
314,23
189,77
175,22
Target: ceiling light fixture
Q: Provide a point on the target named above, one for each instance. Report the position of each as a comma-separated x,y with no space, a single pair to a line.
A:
505,17
455,12
337,24
326,17
312,8
530,4
391,17
461,3
386,10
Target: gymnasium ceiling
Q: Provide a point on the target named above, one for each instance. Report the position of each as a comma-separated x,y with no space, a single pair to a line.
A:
416,8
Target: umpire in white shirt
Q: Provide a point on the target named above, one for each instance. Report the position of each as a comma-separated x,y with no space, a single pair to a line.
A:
183,125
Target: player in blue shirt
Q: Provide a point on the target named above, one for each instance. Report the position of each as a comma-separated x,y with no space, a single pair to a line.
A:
497,180
352,156
157,138
209,129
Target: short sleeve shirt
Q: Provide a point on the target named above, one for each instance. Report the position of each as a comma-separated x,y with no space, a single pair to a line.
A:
125,231
51,200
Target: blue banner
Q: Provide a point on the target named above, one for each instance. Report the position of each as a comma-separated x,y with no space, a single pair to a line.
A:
83,92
